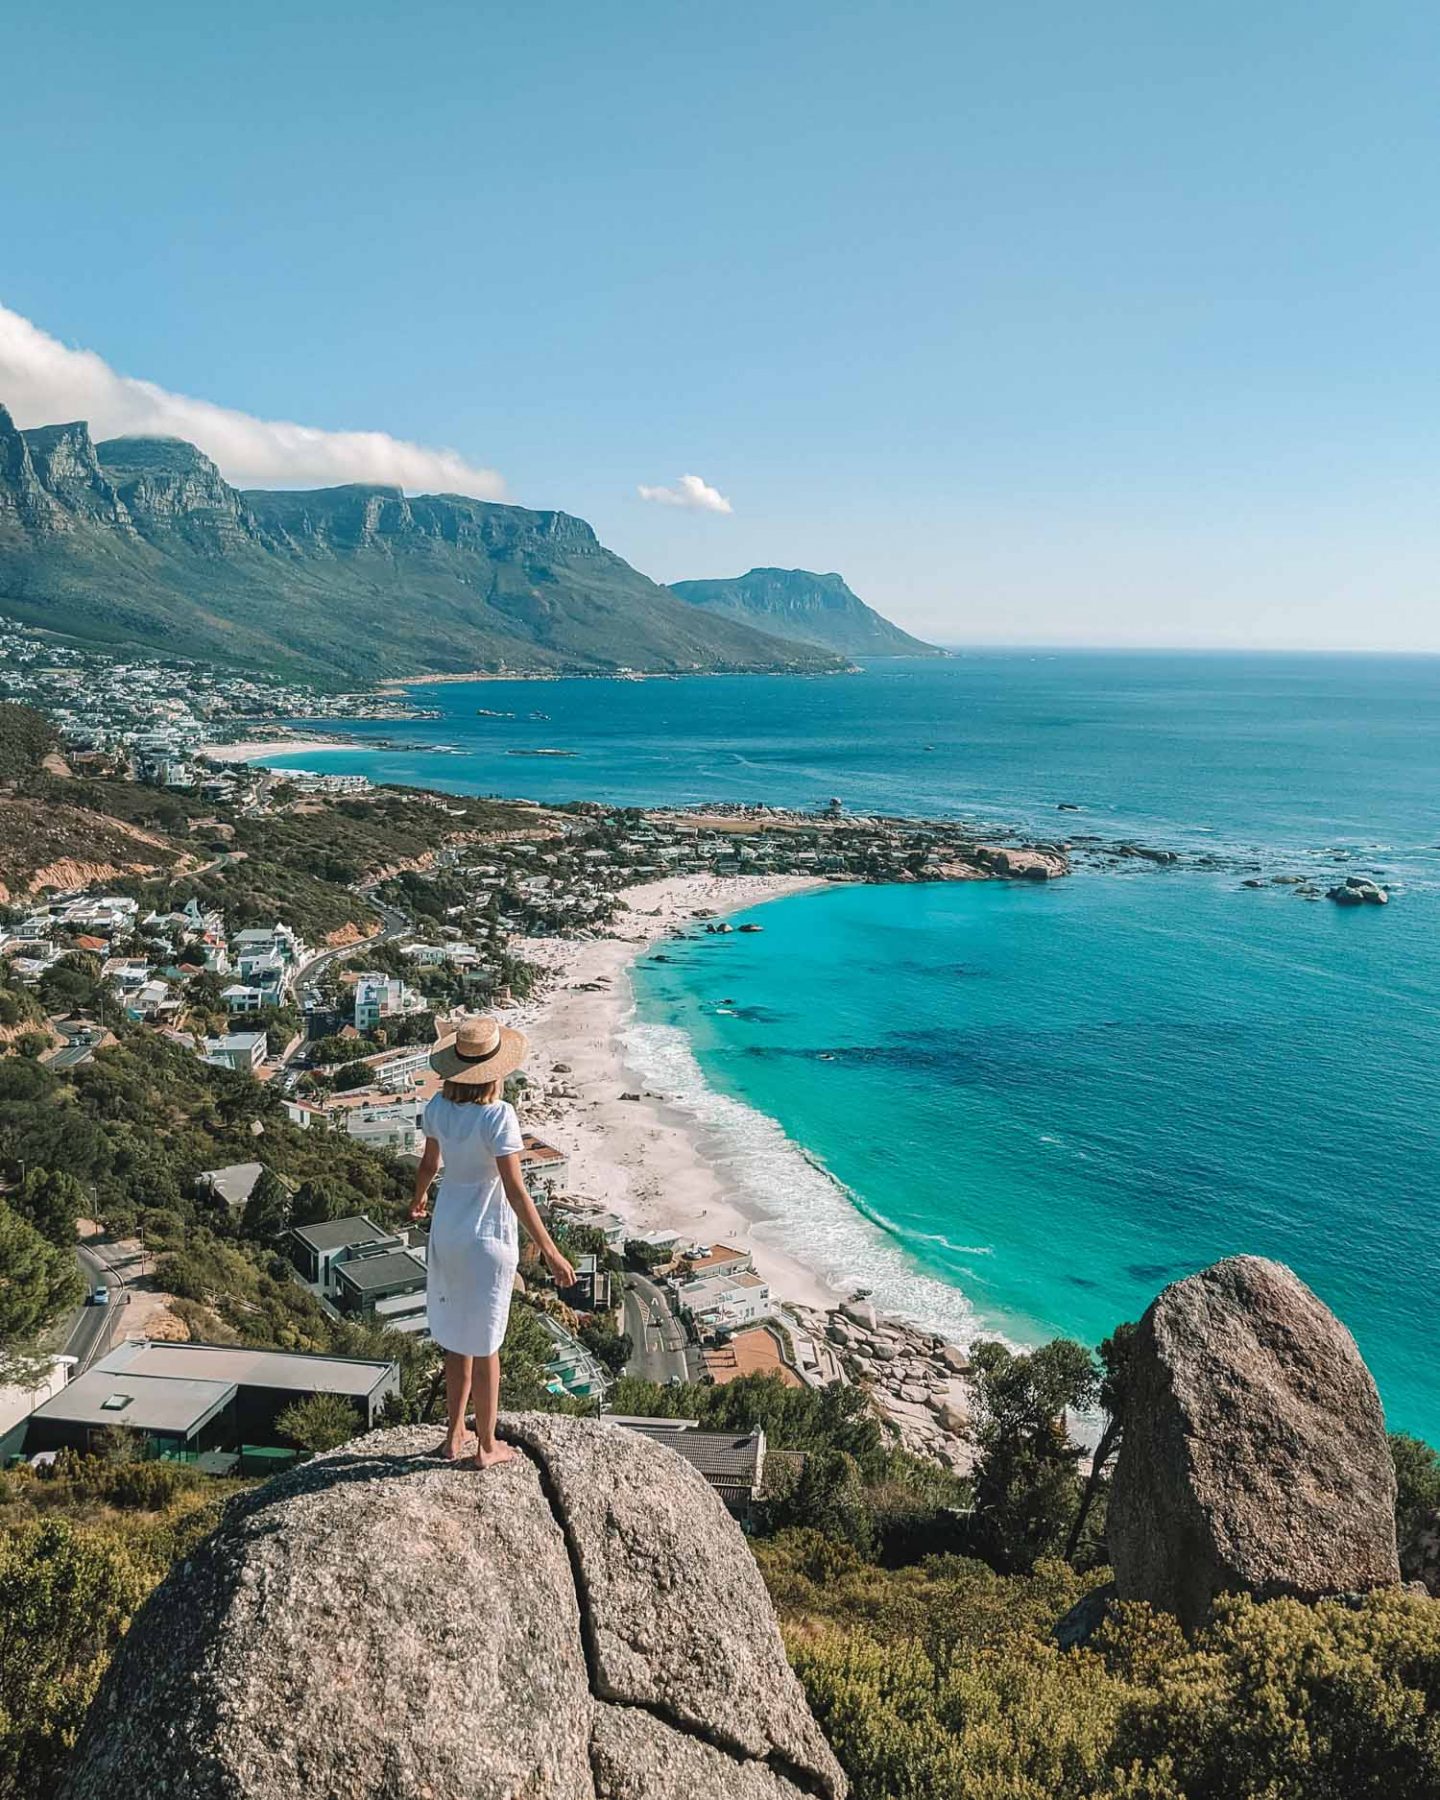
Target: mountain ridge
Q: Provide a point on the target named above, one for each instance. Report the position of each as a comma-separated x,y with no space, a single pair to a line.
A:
806,608
141,542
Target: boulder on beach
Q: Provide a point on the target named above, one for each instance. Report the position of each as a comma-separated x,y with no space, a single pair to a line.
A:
1253,1457
585,1623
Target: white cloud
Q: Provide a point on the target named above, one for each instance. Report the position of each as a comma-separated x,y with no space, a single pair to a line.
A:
44,382
690,491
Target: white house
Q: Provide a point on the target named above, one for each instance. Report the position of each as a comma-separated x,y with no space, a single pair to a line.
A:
727,1300
240,1050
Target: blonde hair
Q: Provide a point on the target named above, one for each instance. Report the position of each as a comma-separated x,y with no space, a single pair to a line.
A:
474,1093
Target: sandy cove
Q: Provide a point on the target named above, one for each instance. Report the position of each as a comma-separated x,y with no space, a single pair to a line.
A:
640,1158
248,752
644,1160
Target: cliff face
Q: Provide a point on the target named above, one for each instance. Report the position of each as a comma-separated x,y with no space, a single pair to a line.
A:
141,541
585,1623
808,608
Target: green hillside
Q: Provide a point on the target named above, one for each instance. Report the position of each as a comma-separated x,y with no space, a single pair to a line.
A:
142,541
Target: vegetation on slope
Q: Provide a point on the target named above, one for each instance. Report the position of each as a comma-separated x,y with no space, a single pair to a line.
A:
151,546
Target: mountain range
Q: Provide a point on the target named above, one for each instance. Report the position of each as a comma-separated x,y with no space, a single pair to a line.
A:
806,608
142,542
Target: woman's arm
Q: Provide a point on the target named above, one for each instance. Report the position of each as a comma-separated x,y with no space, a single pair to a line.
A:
518,1195
424,1175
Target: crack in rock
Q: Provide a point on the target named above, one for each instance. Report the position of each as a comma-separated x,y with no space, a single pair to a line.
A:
783,1768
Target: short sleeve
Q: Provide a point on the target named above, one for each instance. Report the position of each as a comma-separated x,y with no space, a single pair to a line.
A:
509,1140
428,1118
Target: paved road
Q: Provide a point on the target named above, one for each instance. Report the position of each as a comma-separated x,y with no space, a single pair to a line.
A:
393,924
95,1326
660,1352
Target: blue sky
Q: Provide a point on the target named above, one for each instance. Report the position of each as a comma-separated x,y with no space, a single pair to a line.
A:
1040,323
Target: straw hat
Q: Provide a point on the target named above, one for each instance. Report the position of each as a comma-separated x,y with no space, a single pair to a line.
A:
481,1050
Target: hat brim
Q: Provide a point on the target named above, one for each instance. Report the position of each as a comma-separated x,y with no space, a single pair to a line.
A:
450,1065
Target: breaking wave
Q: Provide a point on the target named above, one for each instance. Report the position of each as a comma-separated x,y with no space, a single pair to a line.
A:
796,1203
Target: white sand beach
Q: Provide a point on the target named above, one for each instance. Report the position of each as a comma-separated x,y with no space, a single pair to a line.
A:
641,1158
263,752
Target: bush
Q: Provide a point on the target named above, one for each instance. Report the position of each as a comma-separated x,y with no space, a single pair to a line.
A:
65,1598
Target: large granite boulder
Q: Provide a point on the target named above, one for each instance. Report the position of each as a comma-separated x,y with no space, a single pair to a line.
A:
1254,1456
585,1623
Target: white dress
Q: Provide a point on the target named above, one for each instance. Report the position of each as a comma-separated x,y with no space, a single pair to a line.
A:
474,1236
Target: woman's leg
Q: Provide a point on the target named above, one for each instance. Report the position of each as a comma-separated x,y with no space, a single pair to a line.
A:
487,1406
457,1392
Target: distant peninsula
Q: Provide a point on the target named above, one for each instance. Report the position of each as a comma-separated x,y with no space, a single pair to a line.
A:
141,542
818,610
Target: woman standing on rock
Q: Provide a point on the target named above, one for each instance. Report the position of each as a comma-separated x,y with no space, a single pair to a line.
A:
472,1132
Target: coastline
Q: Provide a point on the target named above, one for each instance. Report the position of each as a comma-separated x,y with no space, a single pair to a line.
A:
259,751
647,1160
643,1159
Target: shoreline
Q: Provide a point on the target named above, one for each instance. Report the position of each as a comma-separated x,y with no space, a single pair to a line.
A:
260,749
643,1159
647,1160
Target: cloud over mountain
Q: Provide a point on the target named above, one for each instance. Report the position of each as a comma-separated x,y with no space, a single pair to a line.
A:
43,380
691,492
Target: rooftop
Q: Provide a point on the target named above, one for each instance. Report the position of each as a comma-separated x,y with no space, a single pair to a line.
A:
722,1457
338,1234
716,1255
241,1367
366,1273
140,1402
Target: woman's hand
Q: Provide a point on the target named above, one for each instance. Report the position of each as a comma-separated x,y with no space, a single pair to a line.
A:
418,1211
561,1272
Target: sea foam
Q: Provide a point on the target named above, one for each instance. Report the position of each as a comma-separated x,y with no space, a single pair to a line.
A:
796,1203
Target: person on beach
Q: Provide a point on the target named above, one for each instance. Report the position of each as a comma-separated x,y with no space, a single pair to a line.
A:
472,1134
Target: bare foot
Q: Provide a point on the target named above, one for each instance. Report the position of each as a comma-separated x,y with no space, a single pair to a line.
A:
492,1458
453,1449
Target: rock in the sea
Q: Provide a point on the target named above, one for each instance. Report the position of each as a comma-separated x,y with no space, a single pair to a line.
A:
1355,890
584,1623
1254,1456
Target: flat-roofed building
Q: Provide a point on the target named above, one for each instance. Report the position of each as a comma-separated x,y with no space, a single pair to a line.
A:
316,1249
720,1259
189,1398
173,1414
240,1050
542,1165
365,1283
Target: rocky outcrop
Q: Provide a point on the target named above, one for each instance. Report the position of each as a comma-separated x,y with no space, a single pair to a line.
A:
585,1623
1356,890
1254,1456
1039,862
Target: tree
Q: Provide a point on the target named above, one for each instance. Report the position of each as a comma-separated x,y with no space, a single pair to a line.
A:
1417,1503
319,1199
38,1281
65,1598
1026,1487
319,1422
52,1201
613,1349
645,1257
826,1495
267,1211
1115,1366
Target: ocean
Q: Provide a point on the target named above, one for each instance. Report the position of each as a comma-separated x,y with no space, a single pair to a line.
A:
1023,1109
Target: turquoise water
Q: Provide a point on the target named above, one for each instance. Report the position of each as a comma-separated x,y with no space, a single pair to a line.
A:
1025,1109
